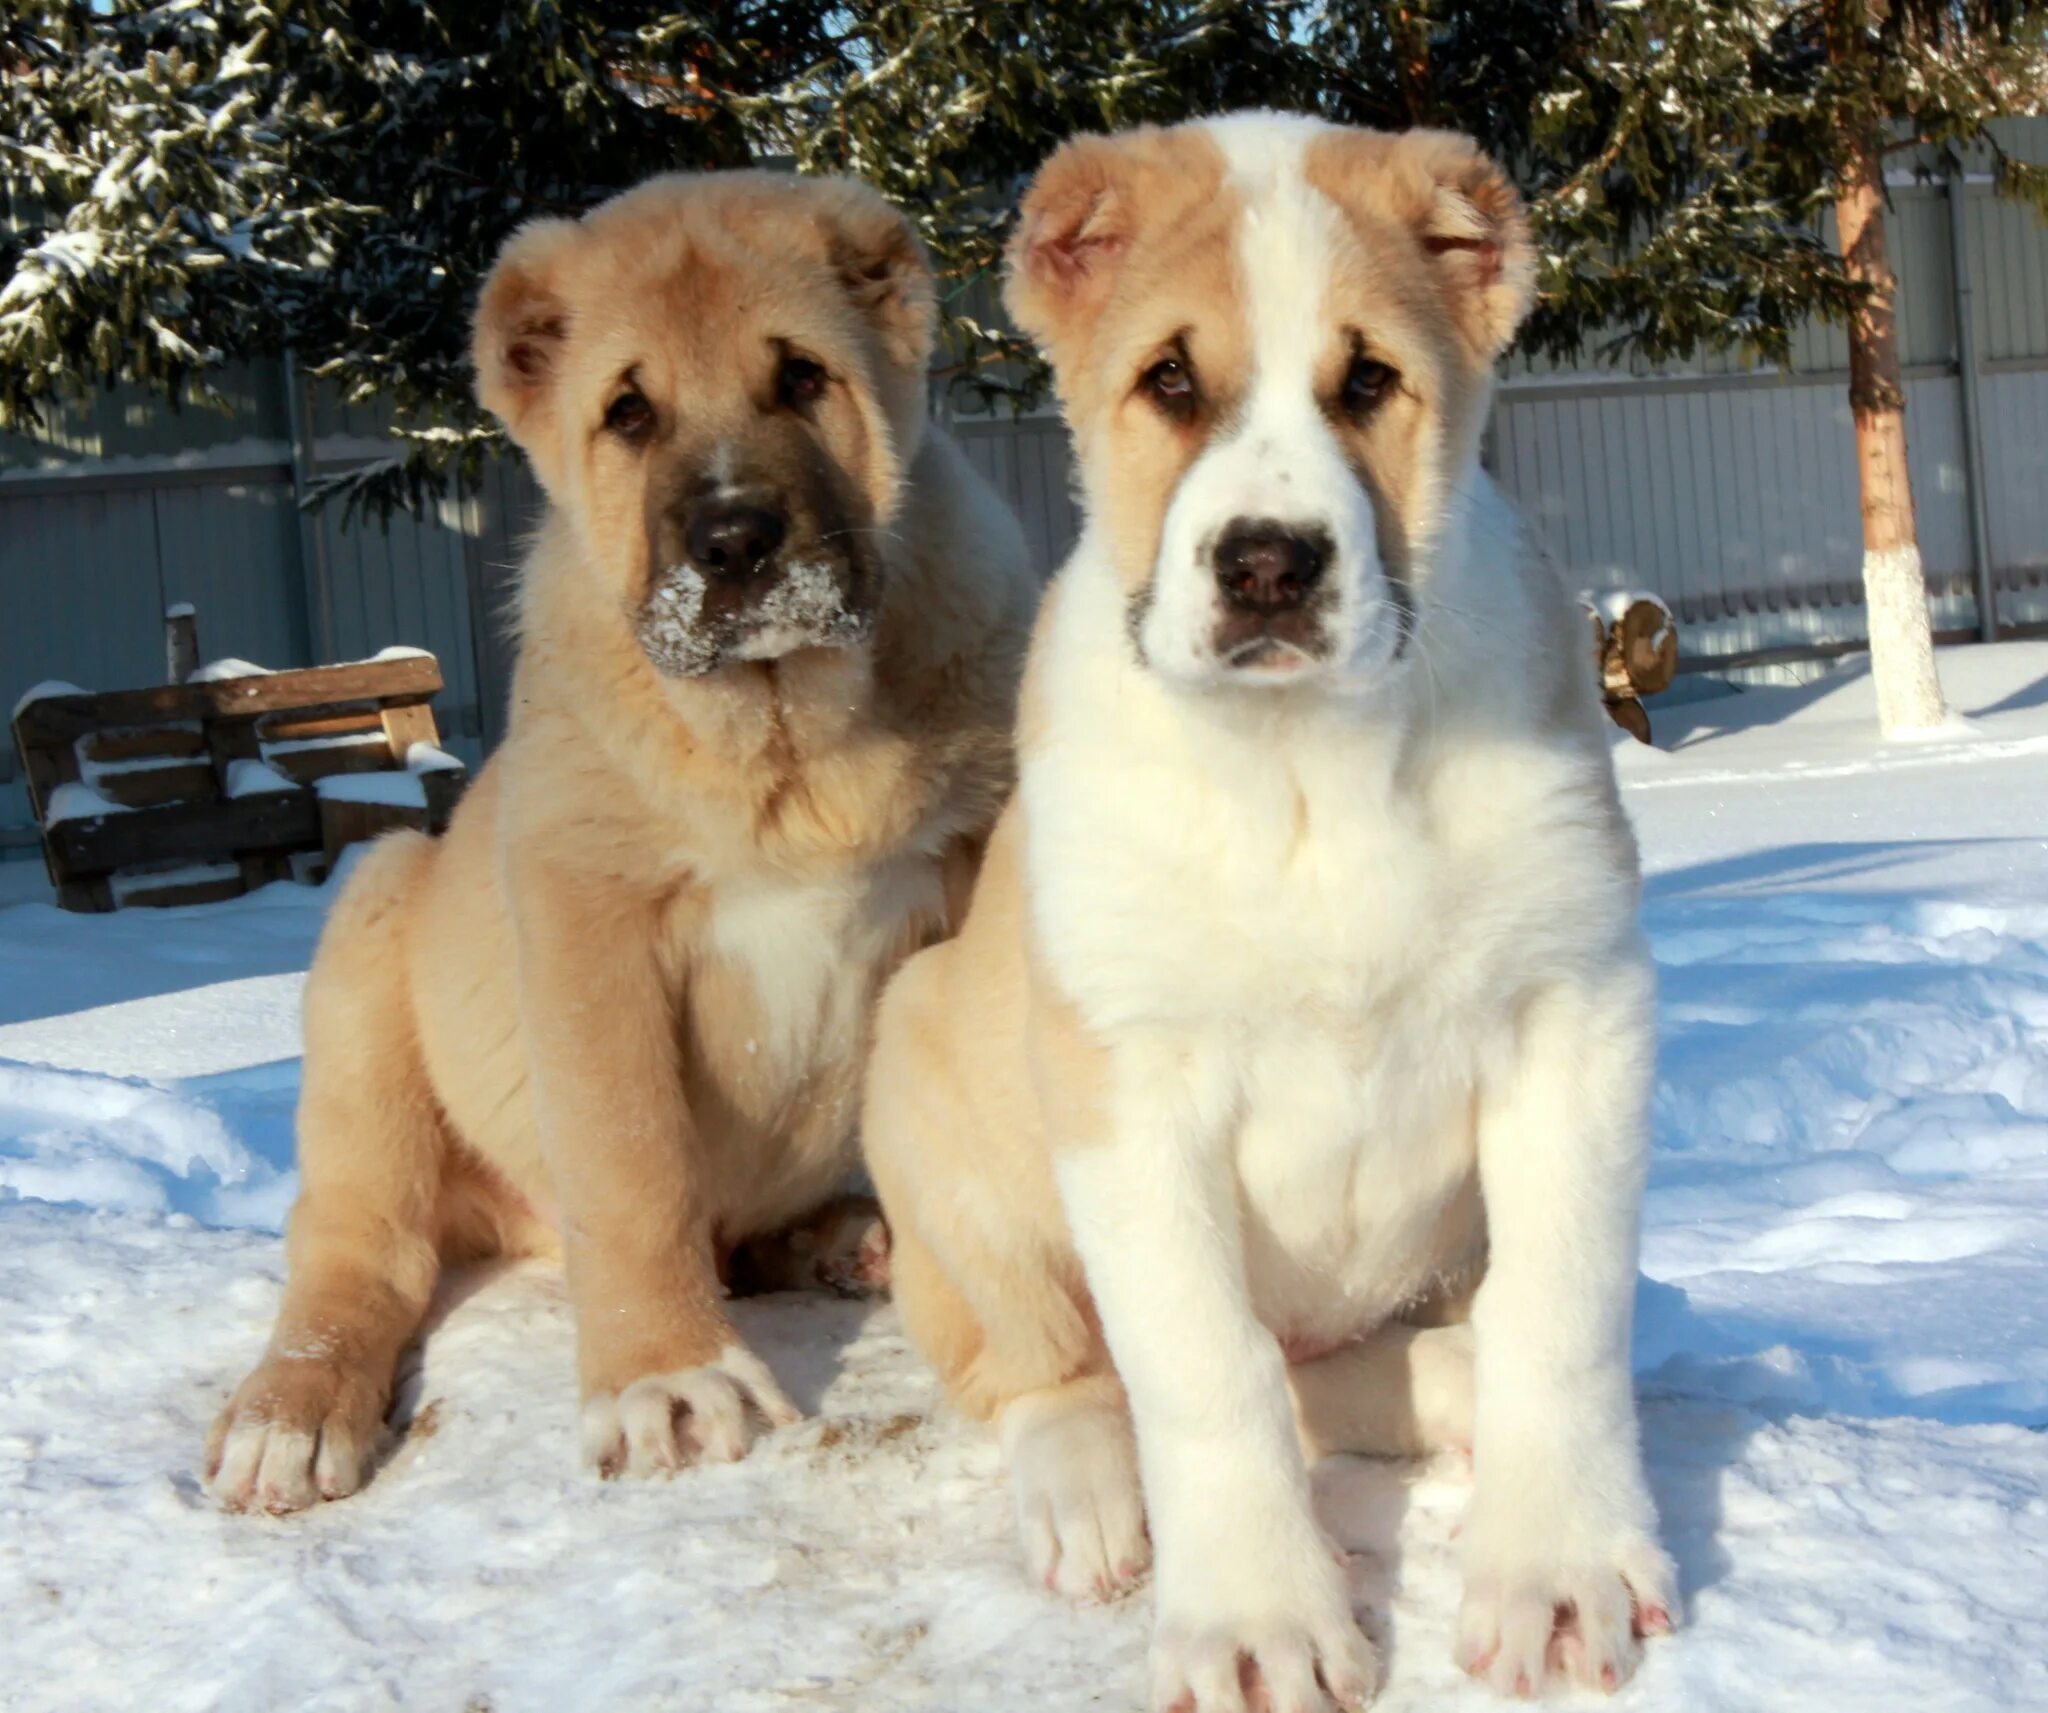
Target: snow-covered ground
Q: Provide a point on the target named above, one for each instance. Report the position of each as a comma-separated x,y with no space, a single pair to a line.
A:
1843,1345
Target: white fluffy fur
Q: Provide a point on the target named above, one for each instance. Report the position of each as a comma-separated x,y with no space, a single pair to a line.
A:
1349,943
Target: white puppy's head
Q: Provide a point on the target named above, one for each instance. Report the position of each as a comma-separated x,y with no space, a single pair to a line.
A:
1274,340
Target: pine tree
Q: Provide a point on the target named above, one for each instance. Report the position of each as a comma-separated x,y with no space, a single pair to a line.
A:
1633,130
198,183
151,201
1656,215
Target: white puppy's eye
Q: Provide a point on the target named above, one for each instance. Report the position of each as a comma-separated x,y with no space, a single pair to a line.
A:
629,416
1366,384
800,381
1170,384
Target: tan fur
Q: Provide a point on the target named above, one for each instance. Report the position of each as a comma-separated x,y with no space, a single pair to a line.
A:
957,1138
607,1014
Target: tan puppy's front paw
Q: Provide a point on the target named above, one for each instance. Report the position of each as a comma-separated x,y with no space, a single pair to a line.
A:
297,1431
661,1423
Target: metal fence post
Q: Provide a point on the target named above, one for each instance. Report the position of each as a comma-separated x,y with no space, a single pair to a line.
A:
1973,414
312,538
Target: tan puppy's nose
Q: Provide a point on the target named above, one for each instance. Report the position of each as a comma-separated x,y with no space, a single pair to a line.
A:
731,541
1267,567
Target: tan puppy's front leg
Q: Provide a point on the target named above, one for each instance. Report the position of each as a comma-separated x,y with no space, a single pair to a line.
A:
306,1422
665,1378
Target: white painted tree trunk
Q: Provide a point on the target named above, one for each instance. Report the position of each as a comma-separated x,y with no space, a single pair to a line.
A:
1901,641
1895,592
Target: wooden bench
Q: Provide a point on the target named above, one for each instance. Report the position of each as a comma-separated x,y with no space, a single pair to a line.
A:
190,792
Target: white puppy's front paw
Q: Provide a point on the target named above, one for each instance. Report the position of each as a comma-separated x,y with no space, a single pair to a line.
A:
1074,1475
661,1423
1533,1622
1311,1663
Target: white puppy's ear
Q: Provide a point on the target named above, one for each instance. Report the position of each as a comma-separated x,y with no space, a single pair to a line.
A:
522,326
1474,228
1463,211
1072,232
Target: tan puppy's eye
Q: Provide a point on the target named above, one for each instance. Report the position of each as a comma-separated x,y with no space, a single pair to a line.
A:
1170,384
1367,384
800,382
629,416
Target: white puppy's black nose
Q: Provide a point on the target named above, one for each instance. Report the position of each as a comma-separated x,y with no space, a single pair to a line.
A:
731,541
1267,567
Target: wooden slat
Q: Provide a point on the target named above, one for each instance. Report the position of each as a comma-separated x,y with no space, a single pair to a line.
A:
46,766
140,742
406,726
61,719
181,646
444,787
146,787
84,895
343,823
303,766
291,726
182,832
227,742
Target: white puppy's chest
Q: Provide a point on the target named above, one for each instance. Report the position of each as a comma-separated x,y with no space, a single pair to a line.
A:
1293,917
1344,981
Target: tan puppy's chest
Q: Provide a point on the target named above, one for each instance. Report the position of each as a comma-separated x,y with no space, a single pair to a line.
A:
776,978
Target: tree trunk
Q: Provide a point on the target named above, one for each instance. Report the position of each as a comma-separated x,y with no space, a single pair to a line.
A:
1895,591
1408,26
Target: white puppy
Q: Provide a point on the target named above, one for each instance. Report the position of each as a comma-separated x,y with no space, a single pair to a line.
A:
1302,1002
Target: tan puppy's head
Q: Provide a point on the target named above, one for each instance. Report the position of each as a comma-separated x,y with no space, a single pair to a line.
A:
1274,339
720,378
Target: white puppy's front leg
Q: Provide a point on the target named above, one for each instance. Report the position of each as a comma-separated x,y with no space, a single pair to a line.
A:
1563,1574
1248,1590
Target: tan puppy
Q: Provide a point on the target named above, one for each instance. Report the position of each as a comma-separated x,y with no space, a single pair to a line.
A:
760,726
1302,987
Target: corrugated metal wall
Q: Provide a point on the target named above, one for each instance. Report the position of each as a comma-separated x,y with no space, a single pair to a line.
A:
1734,494
126,504
1730,491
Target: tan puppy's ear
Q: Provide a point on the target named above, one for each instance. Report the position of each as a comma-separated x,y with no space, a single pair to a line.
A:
522,326
1072,233
1475,228
885,271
